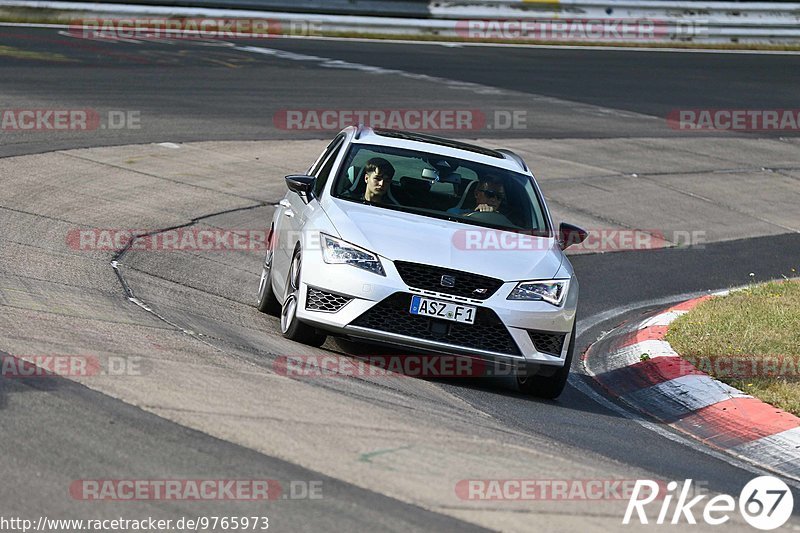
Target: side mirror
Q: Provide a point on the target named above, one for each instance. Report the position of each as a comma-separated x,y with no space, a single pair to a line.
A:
301,184
569,235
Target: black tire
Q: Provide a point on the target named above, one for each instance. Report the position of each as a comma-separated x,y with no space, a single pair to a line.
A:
549,387
267,302
291,327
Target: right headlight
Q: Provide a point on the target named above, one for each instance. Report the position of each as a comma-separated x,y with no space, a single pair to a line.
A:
338,252
552,292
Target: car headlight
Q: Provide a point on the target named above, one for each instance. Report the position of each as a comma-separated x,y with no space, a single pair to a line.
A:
552,292
338,252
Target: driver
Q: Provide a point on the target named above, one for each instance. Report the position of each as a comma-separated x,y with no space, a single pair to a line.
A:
489,196
378,174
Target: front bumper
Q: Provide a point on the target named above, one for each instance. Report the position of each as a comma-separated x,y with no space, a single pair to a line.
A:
352,302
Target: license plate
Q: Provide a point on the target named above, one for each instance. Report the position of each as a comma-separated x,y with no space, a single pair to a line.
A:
444,310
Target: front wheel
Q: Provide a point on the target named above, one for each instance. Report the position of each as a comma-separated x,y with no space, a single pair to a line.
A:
549,387
267,302
291,327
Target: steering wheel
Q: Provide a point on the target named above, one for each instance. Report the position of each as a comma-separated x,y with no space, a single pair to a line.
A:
490,217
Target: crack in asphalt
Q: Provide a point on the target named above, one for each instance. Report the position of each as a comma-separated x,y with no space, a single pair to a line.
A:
115,265
205,339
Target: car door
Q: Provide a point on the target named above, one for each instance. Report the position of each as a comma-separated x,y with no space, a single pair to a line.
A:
294,211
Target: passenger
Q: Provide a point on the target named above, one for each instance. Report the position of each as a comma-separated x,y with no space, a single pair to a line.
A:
489,196
378,174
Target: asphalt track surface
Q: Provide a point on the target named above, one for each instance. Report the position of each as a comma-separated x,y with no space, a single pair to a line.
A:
207,90
195,91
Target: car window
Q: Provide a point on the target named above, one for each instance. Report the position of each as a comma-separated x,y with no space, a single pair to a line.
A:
324,166
439,187
324,155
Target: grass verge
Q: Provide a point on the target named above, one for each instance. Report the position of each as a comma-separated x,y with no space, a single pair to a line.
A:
749,339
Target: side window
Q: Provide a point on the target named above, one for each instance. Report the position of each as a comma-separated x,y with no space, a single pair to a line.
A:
322,170
322,157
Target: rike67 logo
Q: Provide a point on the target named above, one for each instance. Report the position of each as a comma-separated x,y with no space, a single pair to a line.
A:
765,503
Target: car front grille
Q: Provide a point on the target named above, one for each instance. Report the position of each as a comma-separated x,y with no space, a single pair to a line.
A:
429,278
548,342
327,302
392,316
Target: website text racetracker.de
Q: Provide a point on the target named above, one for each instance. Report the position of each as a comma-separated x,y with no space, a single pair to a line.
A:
180,239
546,489
197,523
401,119
761,120
249,490
577,29
45,120
597,240
388,366
27,366
153,28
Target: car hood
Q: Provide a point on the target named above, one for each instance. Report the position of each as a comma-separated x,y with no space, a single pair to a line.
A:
396,235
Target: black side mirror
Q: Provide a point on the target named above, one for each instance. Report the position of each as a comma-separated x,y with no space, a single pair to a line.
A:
301,184
569,235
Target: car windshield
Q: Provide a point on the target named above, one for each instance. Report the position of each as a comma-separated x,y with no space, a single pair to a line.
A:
441,187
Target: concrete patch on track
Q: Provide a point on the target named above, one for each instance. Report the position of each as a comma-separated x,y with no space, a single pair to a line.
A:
57,299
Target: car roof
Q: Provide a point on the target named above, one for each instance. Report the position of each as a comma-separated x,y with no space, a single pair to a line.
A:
439,145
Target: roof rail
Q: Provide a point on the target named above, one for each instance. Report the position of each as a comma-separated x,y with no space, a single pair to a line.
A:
515,157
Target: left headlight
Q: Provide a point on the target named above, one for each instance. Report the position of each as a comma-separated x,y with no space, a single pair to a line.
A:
552,292
338,252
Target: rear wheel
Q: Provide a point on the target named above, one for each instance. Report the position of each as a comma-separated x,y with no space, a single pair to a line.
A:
291,327
549,387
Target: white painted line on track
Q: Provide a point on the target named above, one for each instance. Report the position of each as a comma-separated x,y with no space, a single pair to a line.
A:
578,383
599,318
653,348
692,393
663,319
347,65
778,450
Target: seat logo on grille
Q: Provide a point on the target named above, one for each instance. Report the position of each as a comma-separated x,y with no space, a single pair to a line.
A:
448,281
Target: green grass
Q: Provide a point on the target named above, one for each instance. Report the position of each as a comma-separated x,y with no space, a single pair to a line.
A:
749,339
